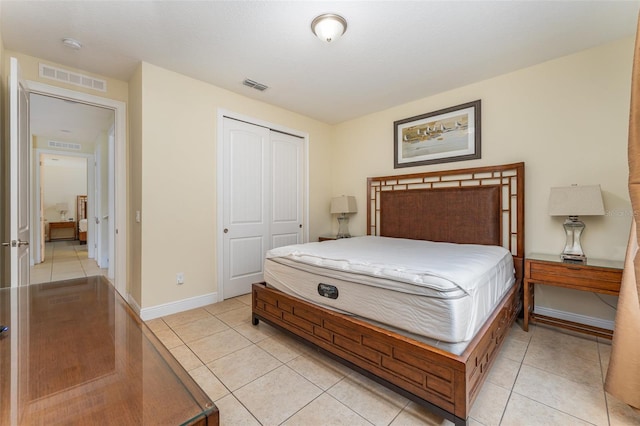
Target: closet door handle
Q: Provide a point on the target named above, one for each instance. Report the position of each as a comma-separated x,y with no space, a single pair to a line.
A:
226,230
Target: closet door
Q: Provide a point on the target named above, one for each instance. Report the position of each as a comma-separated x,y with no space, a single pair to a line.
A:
245,205
286,190
262,200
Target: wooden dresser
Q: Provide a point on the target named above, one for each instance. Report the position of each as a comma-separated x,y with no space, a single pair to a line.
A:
62,231
76,353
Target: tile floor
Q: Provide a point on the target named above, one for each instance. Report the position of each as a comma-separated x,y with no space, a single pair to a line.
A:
260,376
64,260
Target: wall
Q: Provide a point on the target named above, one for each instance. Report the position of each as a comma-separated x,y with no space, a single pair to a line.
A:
567,119
134,177
116,89
178,179
4,172
61,184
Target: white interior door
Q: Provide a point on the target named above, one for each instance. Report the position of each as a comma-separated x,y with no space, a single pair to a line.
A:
97,209
246,205
111,205
287,191
19,177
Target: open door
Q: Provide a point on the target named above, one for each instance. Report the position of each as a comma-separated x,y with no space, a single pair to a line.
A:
19,177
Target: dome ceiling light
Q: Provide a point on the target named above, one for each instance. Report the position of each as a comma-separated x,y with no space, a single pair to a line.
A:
329,27
72,43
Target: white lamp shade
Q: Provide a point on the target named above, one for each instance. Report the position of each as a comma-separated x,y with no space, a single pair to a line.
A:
343,204
576,200
62,207
329,27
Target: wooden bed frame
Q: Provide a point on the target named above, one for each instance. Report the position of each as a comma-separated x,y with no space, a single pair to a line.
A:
478,205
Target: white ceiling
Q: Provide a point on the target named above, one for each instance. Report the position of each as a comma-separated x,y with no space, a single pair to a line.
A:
67,121
393,51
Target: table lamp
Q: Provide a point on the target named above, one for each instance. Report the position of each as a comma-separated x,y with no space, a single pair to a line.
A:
573,201
62,208
343,205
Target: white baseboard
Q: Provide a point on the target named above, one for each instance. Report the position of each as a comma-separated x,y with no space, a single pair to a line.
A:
570,316
174,307
134,305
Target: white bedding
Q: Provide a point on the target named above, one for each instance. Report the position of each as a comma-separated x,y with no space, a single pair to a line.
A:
442,291
82,225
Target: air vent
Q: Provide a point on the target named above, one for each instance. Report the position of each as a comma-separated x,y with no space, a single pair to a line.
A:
58,74
254,84
65,145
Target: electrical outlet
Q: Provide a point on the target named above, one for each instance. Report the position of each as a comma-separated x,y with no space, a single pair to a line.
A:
180,278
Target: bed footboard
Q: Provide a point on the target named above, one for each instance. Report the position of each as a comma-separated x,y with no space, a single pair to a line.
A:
445,383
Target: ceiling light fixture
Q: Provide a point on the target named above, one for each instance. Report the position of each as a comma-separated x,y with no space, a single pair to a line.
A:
72,43
329,27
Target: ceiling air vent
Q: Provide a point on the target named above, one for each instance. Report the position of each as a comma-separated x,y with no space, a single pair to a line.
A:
65,145
254,84
65,76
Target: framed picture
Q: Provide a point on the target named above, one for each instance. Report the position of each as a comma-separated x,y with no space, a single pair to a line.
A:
450,134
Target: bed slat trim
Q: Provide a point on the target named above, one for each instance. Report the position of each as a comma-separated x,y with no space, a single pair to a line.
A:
449,381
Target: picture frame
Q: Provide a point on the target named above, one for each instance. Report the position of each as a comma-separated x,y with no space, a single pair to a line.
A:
447,135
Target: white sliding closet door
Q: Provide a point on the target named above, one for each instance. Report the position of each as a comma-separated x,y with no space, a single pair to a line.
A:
262,200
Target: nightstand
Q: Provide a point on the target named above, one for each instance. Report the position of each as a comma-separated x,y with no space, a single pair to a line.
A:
327,237
598,276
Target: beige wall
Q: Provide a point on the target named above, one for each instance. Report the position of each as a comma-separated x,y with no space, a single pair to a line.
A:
567,119
178,179
4,173
29,65
134,184
62,184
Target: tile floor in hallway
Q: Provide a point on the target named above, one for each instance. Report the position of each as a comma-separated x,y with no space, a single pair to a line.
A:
64,260
260,376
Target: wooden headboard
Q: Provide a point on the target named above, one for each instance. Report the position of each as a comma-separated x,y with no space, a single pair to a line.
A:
483,205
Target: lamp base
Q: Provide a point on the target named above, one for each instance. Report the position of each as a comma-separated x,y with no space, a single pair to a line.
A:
343,226
573,250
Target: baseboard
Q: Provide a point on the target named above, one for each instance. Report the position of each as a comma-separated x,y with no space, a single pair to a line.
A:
179,306
133,304
570,316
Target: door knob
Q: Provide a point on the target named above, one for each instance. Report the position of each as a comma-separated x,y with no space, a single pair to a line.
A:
226,230
23,243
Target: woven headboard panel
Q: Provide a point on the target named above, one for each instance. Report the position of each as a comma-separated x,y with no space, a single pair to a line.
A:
443,214
483,205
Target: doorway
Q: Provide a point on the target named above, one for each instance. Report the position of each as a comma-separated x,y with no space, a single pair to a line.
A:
71,140
113,174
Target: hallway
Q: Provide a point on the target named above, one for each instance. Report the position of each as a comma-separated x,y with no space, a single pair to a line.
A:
65,260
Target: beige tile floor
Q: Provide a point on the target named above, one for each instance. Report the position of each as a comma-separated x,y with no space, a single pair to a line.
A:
259,376
64,260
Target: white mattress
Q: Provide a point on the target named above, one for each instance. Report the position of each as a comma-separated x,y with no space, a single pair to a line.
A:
442,291
82,225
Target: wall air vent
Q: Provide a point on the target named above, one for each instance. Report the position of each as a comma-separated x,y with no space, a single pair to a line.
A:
254,84
69,77
65,145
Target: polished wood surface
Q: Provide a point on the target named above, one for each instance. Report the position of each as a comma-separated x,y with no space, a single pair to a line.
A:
64,230
75,353
597,276
443,382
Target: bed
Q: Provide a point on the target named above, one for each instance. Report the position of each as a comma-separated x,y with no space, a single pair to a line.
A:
483,206
81,217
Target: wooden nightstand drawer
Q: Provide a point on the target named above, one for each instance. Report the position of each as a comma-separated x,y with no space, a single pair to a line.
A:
576,276
598,276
